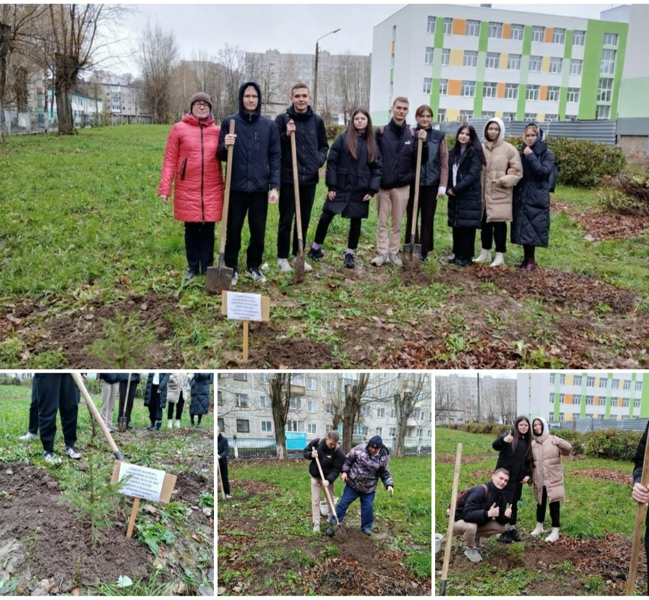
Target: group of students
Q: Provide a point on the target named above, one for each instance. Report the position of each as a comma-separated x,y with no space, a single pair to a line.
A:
528,454
487,184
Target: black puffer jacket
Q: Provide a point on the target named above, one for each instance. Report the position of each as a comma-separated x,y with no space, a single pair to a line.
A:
256,157
200,393
531,224
135,377
465,206
514,461
431,170
162,388
473,508
331,461
310,144
351,178
398,146
223,447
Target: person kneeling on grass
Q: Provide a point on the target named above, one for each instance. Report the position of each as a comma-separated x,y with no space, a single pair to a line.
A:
364,466
482,512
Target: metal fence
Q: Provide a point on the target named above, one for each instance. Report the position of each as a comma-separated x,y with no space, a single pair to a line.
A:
591,424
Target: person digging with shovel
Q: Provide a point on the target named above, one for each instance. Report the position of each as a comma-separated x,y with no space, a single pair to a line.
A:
364,466
331,458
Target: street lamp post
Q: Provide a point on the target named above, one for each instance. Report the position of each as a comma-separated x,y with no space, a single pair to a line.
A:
315,70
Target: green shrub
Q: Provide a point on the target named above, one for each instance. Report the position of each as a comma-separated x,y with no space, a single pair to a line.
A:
612,443
333,131
574,437
494,429
626,194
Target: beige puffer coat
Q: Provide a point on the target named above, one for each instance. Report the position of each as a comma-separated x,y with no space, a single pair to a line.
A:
497,186
176,384
548,469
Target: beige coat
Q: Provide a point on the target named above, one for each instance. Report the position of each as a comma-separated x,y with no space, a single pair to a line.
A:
497,186
176,384
548,468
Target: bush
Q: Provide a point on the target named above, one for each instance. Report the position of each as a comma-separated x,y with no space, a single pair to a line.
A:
612,443
333,131
573,437
487,428
626,194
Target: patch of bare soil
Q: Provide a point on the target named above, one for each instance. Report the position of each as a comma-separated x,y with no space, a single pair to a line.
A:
606,475
466,460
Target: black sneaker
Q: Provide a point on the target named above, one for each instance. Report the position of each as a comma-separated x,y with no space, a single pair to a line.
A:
424,256
315,254
350,262
330,531
190,275
256,275
506,537
514,535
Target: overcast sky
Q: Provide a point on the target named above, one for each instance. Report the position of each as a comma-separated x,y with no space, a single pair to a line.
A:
284,27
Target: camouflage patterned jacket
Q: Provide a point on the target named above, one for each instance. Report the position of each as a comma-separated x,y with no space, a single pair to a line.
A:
364,470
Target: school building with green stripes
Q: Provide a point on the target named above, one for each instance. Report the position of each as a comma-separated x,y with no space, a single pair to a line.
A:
479,62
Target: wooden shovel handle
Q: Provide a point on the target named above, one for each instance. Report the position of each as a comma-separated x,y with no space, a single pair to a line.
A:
226,194
330,501
451,518
415,205
296,189
637,530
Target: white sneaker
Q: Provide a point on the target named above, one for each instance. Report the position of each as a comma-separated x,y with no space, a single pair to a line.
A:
473,555
380,260
256,275
499,260
51,458
170,424
235,279
177,423
485,256
316,528
72,453
284,265
28,437
554,536
537,530
395,260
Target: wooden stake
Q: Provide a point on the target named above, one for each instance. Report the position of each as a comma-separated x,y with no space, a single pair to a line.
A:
131,523
245,341
451,521
637,530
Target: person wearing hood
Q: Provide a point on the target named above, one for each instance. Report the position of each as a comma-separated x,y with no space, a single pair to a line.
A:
482,512
516,457
256,163
311,148
331,459
531,225
223,451
547,451
501,173
363,467
190,160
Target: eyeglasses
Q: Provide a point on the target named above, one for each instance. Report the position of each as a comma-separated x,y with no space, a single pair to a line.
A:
201,104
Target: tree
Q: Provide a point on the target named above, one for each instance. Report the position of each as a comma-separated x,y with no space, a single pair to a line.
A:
233,61
280,398
352,408
406,403
352,82
156,56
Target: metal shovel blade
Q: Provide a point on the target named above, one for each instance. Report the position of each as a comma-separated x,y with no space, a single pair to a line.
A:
411,256
299,265
218,278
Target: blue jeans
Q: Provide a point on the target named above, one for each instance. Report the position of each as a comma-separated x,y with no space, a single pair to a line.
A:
367,502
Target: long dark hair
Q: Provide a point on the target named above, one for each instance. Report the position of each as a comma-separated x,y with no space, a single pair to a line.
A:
352,137
517,434
474,143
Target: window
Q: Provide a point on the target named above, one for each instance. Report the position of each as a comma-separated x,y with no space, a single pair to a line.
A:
493,60
330,386
311,383
625,403
530,117
428,85
297,379
538,33
379,431
511,92
468,88
558,36
636,404
488,114
329,408
627,384
393,431
489,89
604,111
419,433
551,398
295,426
514,61
576,400
428,56
590,381
573,96
441,113
562,398
495,30
535,63
555,64
605,90
264,378
553,96
562,379
607,66
366,411
430,25
610,39
590,401
265,402
240,377
446,57
552,378
517,32
576,66
443,88
295,403
359,429
242,400
473,28
266,426
311,428
220,398
603,382
243,426
578,37
416,414
638,386
470,59
311,406
448,26
380,413
465,115
577,378
221,424
392,414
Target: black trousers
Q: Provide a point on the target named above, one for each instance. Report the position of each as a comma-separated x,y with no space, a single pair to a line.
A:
223,466
427,207
179,408
199,246
463,242
255,205
513,495
555,510
528,251
354,230
126,410
57,392
33,412
286,213
493,231
155,411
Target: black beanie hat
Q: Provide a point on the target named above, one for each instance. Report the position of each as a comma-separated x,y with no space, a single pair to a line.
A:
375,442
200,97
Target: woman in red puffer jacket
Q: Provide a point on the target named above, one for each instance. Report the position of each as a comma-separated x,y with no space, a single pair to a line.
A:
190,159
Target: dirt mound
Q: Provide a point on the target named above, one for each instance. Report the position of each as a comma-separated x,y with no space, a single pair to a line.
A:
414,276
191,486
606,475
290,353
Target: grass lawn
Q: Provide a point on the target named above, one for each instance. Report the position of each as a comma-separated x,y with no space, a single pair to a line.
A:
172,549
266,545
597,518
90,254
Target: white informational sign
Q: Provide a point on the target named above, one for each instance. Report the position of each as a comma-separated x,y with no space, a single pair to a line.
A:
144,483
244,307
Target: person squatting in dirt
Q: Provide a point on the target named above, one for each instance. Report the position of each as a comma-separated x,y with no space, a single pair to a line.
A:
363,467
515,447
548,475
483,512
223,451
332,459
640,493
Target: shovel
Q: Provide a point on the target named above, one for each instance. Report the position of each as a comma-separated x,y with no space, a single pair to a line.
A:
637,531
123,420
219,278
412,251
218,468
299,259
451,521
95,413
330,501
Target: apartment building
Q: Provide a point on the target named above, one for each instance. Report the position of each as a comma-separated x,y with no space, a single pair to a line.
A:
477,62
567,396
